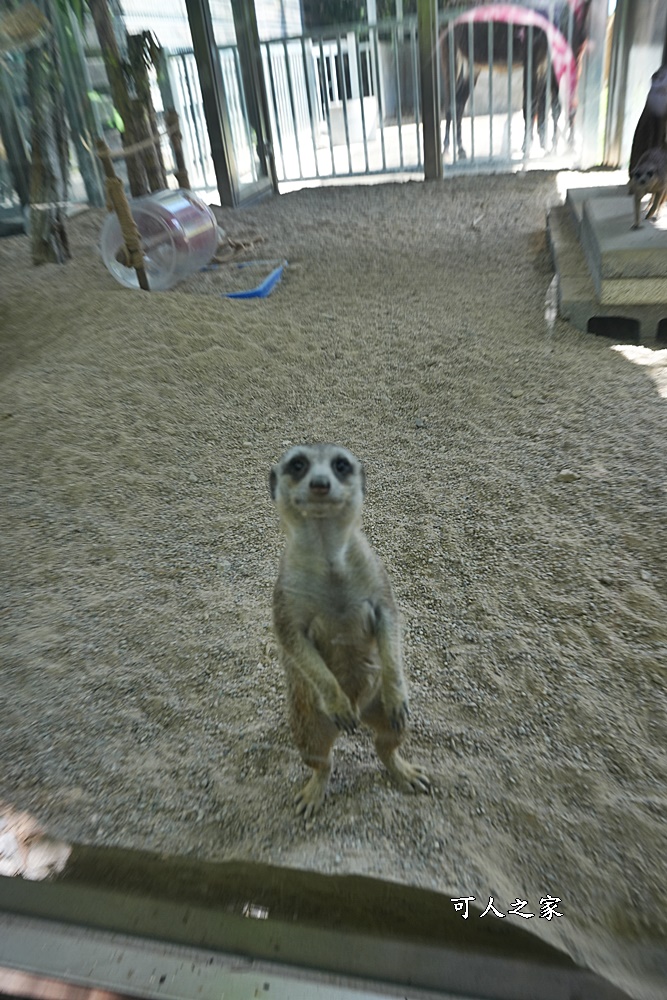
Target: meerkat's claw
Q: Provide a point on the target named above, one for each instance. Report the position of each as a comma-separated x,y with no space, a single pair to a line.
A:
421,781
311,796
398,716
346,723
342,713
408,777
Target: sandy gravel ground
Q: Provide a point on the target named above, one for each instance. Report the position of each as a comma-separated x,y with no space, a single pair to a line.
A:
142,702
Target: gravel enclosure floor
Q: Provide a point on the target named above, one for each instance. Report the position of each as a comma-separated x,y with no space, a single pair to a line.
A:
142,702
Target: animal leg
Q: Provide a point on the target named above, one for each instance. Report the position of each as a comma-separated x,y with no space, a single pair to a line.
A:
638,212
408,777
654,207
463,89
314,734
311,796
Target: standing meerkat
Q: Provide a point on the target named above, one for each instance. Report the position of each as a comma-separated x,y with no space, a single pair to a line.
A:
336,619
649,176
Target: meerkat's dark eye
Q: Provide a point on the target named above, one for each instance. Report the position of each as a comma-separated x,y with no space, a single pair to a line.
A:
341,466
297,466
649,173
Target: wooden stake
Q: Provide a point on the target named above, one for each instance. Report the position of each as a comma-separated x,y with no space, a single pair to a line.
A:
118,201
173,125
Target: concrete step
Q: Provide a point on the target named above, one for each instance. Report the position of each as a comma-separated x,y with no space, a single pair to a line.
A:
576,197
628,266
577,298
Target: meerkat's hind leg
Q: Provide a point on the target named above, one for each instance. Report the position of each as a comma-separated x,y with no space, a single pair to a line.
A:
311,796
655,205
408,777
314,734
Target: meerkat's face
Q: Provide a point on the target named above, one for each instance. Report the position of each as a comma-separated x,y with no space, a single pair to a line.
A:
642,180
319,480
650,173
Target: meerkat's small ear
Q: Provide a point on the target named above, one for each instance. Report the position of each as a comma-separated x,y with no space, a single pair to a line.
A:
273,482
362,473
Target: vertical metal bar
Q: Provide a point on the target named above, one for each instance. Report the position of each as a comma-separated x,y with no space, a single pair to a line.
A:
452,92
490,48
244,111
510,65
415,86
570,24
528,94
570,32
248,40
547,95
378,90
276,109
344,93
188,122
217,119
471,63
195,123
399,116
311,116
361,93
200,118
427,33
295,123
327,109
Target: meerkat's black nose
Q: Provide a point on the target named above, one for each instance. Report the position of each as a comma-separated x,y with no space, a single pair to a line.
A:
320,484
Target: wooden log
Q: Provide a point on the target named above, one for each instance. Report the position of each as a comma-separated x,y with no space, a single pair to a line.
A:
117,199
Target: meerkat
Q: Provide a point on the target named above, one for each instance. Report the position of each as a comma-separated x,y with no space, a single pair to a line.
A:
649,176
336,620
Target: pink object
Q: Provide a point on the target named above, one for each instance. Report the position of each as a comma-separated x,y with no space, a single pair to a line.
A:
562,58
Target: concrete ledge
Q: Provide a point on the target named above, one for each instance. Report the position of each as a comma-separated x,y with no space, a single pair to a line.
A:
577,298
576,197
628,265
373,932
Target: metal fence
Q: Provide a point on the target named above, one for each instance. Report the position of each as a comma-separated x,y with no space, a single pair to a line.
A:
341,104
345,102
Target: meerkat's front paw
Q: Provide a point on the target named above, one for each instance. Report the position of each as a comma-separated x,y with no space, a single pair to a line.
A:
397,710
342,713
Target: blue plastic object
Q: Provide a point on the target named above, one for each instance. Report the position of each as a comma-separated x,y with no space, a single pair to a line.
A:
264,288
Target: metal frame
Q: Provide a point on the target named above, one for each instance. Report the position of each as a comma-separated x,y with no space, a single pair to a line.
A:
429,67
216,112
210,80
177,928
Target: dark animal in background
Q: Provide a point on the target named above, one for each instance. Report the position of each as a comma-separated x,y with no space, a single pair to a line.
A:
531,47
651,130
649,176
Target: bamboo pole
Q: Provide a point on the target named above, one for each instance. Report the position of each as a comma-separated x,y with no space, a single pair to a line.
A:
119,204
173,125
